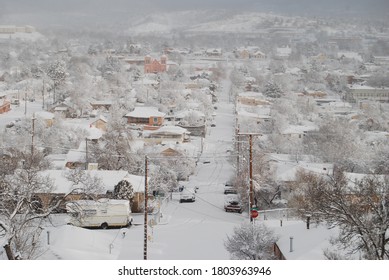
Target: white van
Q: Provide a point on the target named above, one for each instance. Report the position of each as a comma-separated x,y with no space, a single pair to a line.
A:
102,213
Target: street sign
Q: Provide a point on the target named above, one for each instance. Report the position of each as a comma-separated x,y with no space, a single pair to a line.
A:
254,213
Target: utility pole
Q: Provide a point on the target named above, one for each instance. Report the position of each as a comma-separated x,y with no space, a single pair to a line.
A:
86,154
251,187
145,213
25,102
251,191
43,94
33,134
238,152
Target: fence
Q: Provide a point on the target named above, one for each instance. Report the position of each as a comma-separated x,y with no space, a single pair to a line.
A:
278,214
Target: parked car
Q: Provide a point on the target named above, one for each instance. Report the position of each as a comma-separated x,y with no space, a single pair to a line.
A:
15,101
10,124
188,195
232,204
229,188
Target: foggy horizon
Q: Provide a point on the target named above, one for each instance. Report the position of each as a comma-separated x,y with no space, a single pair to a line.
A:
72,13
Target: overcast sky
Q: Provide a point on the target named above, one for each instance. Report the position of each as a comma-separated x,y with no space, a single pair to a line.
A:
51,11
67,5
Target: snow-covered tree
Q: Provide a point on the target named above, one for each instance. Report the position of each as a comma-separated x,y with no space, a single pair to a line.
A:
379,79
21,216
113,151
85,183
110,67
337,141
272,90
123,190
251,241
162,178
56,71
359,208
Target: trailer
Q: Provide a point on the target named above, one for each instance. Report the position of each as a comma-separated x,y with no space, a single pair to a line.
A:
102,213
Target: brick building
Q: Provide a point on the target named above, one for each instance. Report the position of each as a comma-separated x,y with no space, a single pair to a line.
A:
155,66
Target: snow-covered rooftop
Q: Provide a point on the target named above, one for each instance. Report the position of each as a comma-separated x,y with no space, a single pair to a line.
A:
145,112
307,244
109,179
170,129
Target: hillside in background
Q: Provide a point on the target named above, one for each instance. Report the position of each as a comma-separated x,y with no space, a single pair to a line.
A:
144,14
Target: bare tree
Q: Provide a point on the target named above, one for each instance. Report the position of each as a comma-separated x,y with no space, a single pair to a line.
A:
360,209
251,242
114,150
22,214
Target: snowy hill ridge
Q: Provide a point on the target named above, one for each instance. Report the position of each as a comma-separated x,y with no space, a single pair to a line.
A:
219,21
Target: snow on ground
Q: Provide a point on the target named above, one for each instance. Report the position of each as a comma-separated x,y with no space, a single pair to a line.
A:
70,242
191,231
25,109
186,231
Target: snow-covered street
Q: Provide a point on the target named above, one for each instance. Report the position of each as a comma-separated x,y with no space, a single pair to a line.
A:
203,223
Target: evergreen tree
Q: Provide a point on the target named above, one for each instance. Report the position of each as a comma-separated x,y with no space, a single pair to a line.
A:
123,190
272,90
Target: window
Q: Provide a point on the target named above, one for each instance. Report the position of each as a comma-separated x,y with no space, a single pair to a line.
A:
89,212
155,120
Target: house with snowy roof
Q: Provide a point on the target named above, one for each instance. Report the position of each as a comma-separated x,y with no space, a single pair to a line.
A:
297,241
46,117
63,184
285,168
101,104
100,123
357,93
249,52
296,132
149,118
165,134
66,108
252,98
283,52
190,117
79,158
